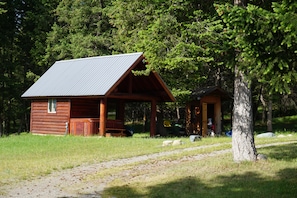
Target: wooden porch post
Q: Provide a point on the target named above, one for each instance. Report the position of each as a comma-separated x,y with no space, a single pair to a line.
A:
204,119
188,118
102,122
153,118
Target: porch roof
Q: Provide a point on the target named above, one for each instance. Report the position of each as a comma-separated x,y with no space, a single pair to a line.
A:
211,90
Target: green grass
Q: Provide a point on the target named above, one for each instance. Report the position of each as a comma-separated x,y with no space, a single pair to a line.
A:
215,177
28,156
280,125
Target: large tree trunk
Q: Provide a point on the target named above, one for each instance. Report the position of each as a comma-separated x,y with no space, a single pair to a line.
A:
243,145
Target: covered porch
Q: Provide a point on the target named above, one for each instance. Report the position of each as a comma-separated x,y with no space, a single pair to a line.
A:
103,117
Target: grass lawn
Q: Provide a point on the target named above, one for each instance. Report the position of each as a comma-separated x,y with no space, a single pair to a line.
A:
281,124
29,156
26,156
216,177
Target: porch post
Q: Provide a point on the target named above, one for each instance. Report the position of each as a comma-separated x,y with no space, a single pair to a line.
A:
153,118
188,118
102,118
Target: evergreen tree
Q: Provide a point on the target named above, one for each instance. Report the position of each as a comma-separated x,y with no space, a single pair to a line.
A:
175,38
81,30
23,32
266,51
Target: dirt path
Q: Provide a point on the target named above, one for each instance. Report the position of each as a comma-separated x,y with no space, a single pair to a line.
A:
75,183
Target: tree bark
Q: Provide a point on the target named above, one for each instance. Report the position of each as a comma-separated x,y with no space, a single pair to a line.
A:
177,113
264,108
269,116
243,145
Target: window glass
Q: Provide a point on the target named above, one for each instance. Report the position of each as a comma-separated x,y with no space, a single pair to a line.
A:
52,105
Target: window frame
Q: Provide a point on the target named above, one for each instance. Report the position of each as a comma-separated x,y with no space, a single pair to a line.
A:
52,105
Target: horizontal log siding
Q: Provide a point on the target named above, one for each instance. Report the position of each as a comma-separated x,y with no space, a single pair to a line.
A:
85,108
43,122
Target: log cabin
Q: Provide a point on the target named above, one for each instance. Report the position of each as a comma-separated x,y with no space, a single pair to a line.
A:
205,106
87,96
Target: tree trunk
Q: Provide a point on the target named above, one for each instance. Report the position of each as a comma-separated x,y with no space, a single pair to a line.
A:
269,116
177,113
243,145
264,113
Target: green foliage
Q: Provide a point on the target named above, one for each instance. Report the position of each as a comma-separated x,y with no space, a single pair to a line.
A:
265,41
81,30
1,9
179,39
190,43
23,32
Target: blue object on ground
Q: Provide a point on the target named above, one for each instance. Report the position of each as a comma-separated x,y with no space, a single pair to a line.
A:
229,133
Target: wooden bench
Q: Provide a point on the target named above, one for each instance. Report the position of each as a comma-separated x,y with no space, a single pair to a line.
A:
115,128
115,132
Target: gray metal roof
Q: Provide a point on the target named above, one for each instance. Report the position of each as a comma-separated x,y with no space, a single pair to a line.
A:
92,76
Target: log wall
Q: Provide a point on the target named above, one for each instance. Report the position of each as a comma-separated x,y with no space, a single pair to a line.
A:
43,122
85,108
82,116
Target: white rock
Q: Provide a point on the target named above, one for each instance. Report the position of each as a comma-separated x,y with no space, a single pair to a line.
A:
194,138
261,157
176,142
266,135
167,143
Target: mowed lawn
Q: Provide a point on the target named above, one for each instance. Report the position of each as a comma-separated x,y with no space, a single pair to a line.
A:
28,156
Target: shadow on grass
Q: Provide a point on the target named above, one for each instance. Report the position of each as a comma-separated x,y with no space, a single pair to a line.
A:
284,152
248,184
240,185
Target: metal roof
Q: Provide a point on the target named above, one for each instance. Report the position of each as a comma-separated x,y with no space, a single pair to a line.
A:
92,76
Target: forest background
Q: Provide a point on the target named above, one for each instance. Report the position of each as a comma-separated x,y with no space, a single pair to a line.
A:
191,43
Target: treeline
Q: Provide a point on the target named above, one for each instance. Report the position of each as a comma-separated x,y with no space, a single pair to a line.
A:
191,43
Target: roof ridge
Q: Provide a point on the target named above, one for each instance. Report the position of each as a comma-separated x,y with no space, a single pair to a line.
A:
103,56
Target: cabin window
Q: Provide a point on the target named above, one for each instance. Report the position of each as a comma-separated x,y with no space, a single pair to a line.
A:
52,105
